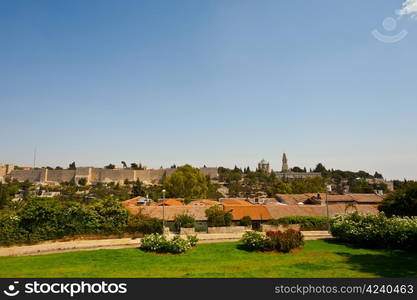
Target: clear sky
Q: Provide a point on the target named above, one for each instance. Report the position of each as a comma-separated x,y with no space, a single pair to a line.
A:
215,82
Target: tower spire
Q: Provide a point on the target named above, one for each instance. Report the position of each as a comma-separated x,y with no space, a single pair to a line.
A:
284,163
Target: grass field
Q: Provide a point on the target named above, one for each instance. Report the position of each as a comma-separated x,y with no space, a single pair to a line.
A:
318,259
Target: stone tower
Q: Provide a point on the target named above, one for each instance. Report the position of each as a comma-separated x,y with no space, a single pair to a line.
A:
284,163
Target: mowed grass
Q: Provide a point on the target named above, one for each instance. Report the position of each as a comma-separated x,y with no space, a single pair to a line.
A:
318,259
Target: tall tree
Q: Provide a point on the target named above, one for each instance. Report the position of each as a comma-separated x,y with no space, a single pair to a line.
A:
187,182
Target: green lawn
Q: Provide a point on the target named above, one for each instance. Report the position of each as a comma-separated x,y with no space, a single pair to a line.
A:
318,259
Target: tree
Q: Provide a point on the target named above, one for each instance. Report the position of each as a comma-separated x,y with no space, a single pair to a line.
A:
4,195
378,175
82,181
138,189
110,166
402,202
134,166
58,168
320,168
186,182
124,164
72,166
216,217
297,169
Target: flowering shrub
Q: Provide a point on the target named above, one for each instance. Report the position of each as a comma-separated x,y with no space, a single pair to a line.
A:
376,231
287,240
159,243
273,240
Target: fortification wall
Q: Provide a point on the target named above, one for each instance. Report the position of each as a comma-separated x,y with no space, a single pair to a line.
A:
30,175
60,175
109,175
95,175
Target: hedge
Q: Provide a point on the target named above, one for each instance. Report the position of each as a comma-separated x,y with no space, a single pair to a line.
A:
376,231
48,218
306,222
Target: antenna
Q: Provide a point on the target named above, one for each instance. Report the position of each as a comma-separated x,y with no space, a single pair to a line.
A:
34,158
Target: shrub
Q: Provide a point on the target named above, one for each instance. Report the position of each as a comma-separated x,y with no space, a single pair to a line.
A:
255,241
376,231
143,224
10,230
287,240
402,202
216,217
112,216
246,221
273,240
306,222
158,243
185,221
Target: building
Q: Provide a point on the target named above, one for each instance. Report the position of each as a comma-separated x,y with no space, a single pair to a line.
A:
284,163
264,166
287,174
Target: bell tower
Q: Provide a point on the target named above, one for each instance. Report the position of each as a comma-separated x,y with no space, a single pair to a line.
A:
284,163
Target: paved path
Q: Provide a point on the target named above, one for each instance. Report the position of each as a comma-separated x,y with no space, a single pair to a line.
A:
82,245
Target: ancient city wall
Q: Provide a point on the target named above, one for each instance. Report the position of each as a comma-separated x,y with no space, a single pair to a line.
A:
94,175
60,175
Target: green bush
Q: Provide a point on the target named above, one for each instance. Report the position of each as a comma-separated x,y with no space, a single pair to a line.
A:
143,224
48,218
216,217
255,241
287,240
376,231
273,240
402,202
305,222
160,244
246,221
112,216
184,221
10,230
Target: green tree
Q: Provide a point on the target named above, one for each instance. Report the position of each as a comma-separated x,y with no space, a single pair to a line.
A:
138,189
124,164
72,166
402,202
186,182
110,166
320,168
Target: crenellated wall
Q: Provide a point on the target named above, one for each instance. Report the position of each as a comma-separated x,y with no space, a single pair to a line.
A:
95,175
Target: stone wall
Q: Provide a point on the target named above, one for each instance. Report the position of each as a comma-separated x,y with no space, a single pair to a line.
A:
227,229
95,175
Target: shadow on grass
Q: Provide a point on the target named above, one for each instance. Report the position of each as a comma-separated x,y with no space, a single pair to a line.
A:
384,263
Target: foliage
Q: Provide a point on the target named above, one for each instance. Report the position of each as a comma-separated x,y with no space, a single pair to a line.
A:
184,221
72,166
160,244
138,189
48,218
143,224
402,202
246,221
286,241
376,231
255,241
305,222
186,182
10,231
110,166
82,181
273,240
216,217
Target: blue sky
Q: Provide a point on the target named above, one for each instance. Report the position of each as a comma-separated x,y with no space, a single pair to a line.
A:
208,82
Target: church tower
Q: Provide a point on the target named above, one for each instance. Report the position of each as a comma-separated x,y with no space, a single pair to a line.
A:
284,163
